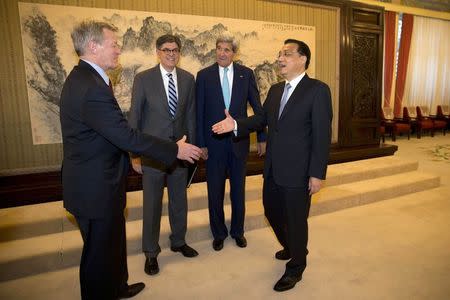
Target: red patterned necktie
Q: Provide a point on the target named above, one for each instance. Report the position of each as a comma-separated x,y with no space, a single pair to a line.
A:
111,87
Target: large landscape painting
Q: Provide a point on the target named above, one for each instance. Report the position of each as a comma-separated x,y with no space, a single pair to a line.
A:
49,55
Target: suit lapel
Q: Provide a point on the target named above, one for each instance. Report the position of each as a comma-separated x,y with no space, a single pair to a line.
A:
216,81
296,96
84,65
161,91
181,90
236,87
277,94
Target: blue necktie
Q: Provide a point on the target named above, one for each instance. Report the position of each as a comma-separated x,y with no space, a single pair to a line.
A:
284,99
226,89
172,96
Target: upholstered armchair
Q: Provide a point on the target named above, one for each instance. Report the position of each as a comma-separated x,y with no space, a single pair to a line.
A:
424,122
443,113
382,132
437,124
393,126
410,117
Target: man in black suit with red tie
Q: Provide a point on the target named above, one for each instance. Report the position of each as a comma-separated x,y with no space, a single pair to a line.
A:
298,114
96,142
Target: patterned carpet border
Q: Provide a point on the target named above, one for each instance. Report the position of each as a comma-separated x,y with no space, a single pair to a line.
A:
439,152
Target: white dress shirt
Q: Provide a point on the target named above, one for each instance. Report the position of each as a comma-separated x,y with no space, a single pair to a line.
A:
166,80
294,82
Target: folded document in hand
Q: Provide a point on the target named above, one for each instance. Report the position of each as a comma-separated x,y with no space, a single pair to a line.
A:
192,168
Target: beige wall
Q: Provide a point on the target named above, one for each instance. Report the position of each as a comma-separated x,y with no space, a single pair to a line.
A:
18,154
395,6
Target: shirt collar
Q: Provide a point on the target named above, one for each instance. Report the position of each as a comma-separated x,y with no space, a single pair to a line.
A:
164,72
230,68
99,70
296,80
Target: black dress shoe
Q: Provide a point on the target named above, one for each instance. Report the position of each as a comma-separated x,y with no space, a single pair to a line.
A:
283,255
286,282
131,290
241,241
185,250
217,244
151,266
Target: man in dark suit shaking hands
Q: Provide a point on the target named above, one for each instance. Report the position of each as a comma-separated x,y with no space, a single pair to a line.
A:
96,142
231,86
298,114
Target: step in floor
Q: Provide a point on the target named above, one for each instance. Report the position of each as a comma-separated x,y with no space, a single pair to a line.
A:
59,250
394,249
48,218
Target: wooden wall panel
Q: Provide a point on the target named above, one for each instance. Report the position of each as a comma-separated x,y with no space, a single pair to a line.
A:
361,117
337,27
19,155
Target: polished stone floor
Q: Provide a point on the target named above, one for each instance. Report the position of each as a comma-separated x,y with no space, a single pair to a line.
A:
393,249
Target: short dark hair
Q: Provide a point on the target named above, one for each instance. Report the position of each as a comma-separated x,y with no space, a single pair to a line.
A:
302,48
168,38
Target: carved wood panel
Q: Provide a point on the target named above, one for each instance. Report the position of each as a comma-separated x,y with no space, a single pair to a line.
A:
364,71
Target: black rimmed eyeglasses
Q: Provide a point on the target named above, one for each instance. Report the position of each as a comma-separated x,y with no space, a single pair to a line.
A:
170,51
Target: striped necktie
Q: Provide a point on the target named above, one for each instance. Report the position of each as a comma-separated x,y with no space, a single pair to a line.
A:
172,96
226,89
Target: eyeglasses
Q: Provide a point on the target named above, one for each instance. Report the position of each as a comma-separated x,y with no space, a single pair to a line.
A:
287,53
170,51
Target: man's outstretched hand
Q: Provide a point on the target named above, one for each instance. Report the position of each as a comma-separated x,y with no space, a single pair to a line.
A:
224,126
188,151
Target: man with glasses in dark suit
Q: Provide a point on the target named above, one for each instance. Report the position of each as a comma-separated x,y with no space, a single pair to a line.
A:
298,114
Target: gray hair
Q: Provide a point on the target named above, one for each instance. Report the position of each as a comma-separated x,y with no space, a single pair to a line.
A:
87,31
228,38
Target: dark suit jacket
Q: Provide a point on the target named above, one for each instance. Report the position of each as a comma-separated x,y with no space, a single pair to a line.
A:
96,138
149,112
298,143
210,108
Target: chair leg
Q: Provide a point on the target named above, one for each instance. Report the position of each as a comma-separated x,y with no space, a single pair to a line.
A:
393,136
409,134
432,132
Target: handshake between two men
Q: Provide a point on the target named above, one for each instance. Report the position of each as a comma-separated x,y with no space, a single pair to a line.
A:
229,124
191,152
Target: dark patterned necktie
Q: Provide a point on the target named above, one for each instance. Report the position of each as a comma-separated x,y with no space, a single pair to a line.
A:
111,87
172,96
